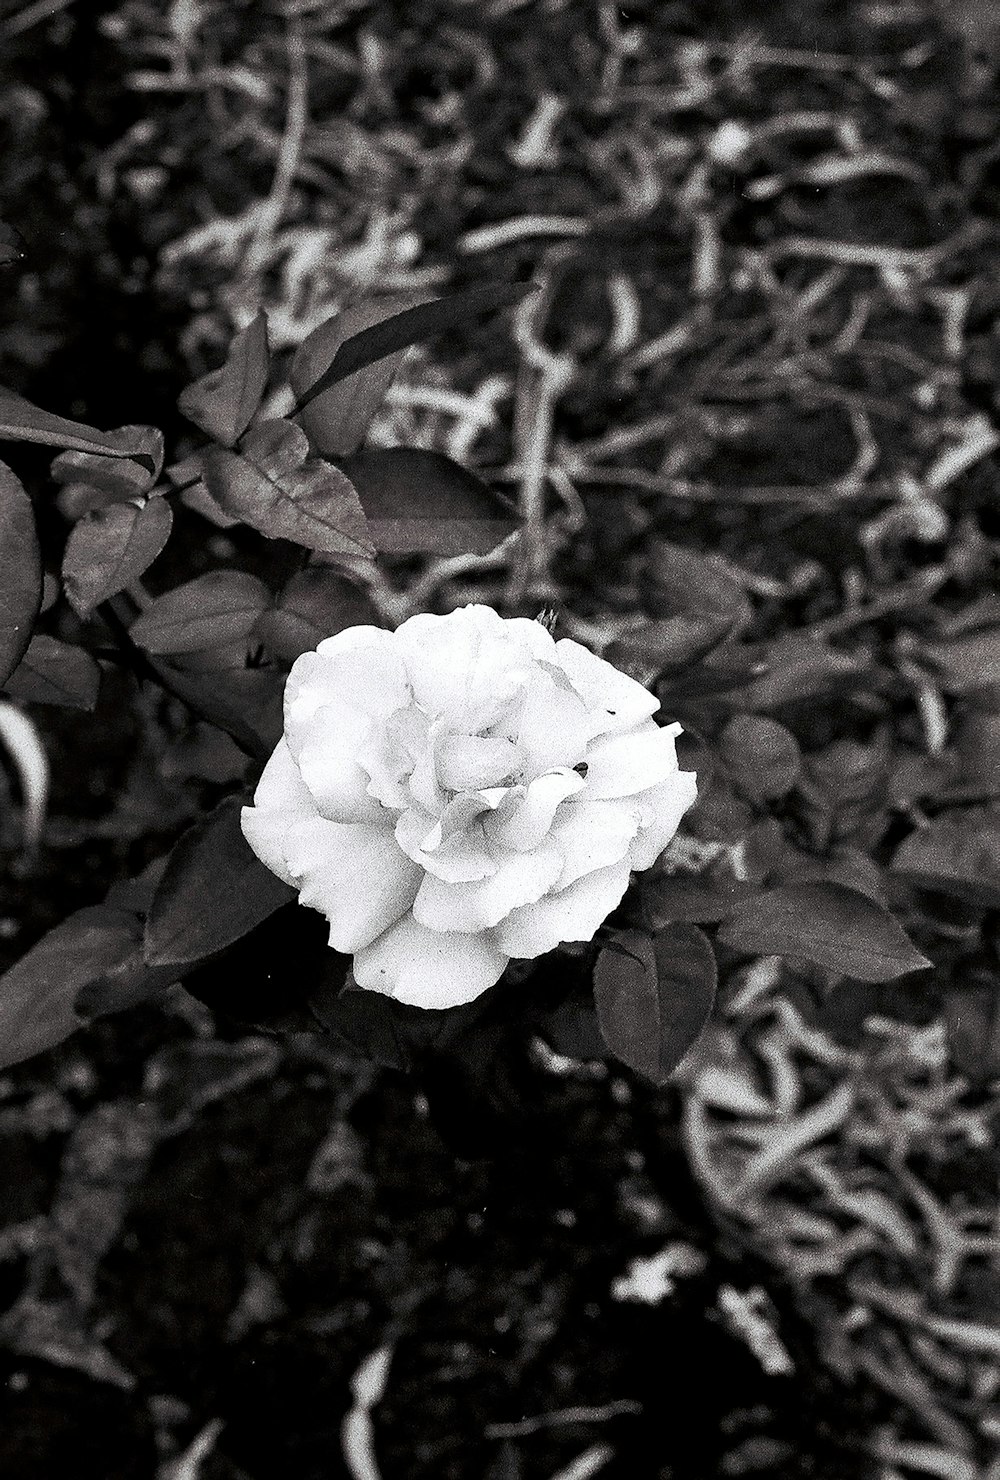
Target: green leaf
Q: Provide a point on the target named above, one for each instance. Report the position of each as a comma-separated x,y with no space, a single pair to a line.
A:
833,926
275,487
38,992
224,401
957,856
116,476
798,668
20,572
337,419
219,607
761,756
125,984
313,605
54,672
214,890
20,421
693,899
967,662
417,501
684,582
391,335
673,643
111,547
654,996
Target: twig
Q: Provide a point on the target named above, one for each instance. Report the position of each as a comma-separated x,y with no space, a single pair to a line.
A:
520,228
33,15
289,152
907,594
597,1413
544,377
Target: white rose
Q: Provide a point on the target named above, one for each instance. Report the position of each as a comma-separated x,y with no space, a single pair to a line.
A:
462,791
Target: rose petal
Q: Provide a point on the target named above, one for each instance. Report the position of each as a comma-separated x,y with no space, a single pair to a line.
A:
328,764
429,968
369,675
483,903
592,835
424,786
281,786
464,667
621,765
466,762
572,914
390,753
618,702
280,801
525,824
355,875
663,807
531,637
555,726
462,857
266,833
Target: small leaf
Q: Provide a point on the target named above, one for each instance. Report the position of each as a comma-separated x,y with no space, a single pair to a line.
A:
733,668
275,487
761,755
20,421
38,992
119,476
692,899
11,245
391,335
214,890
219,607
20,572
54,672
125,984
829,924
111,547
224,401
850,866
955,856
338,418
417,501
675,642
684,582
967,662
315,604
654,996
798,668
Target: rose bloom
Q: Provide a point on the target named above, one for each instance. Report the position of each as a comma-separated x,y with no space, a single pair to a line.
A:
461,791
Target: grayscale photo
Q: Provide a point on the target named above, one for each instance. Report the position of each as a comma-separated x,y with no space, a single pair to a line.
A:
499,740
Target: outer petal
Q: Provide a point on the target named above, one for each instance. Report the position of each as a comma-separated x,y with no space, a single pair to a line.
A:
618,701
572,914
355,875
621,765
281,786
662,809
531,636
441,651
350,668
429,968
592,835
327,758
479,905
280,801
